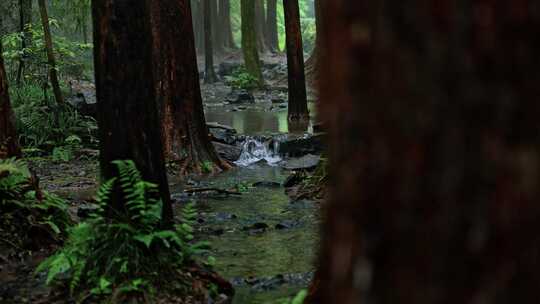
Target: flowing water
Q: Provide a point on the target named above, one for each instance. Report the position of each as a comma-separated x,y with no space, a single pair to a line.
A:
262,242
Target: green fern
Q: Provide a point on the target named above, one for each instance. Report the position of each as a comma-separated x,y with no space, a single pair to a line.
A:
22,208
124,247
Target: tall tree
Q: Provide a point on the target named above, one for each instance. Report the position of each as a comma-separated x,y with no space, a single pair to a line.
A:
225,23
128,121
271,33
312,64
298,110
260,25
53,73
9,144
184,130
249,40
217,31
209,73
442,203
198,25
25,19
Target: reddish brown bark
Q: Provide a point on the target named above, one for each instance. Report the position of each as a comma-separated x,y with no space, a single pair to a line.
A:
298,110
9,143
434,152
126,99
184,130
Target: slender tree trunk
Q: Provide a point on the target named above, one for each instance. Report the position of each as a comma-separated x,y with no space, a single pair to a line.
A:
53,73
209,73
312,64
260,23
272,40
298,110
25,15
9,143
217,30
127,109
225,19
184,130
249,40
434,152
198,26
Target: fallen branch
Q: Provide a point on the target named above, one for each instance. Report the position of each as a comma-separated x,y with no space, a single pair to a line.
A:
221,191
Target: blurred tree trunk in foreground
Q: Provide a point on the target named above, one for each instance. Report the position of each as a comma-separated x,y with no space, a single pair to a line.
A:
298,110
184,130
9,143
53,72
433,116
127,109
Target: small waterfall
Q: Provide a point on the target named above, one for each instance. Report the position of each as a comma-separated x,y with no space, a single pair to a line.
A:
255,149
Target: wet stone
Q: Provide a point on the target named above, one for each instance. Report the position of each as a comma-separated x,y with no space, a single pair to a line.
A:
287,224
86,210
267,184
240,96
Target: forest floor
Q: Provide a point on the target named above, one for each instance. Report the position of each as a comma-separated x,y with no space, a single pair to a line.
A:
263,240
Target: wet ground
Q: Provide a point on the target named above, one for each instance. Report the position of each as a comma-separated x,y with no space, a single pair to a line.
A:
262,242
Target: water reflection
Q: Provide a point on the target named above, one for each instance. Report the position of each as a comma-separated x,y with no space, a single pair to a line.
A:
255,121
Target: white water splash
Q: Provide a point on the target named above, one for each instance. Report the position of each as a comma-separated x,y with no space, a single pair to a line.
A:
254,150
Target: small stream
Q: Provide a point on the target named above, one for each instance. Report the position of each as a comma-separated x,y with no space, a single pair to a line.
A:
262,242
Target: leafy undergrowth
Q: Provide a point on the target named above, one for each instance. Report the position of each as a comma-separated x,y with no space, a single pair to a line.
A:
31,219
125,255
309,185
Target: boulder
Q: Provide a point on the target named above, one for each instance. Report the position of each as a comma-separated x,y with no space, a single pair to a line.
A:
297,147
85,103
240,96
222,133
228,152
227,68
266,184
306,162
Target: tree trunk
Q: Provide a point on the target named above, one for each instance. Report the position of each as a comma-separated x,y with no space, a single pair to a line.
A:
128,121
249,40
225,19
184,130
9,144
312,64
298,110
53,73
198,27
260,23
217,30
434,152
25,15
209,73
272,41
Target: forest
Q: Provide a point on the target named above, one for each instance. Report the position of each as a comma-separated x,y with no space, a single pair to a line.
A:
269,152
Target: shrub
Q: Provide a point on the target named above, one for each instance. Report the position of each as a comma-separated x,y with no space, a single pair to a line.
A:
27,212
241,79
125,253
